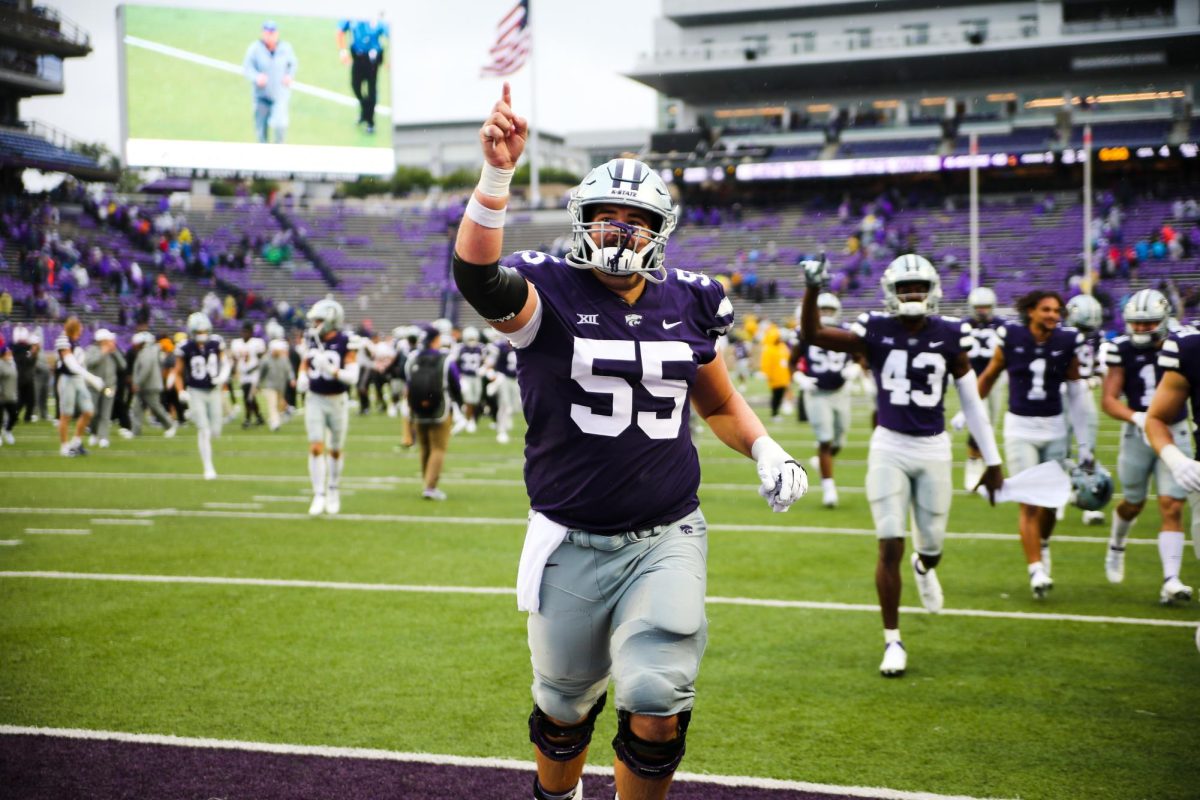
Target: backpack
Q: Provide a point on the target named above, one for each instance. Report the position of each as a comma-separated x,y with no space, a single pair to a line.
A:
427,386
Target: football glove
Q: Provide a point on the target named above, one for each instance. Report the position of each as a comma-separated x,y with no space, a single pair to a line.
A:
1087,459
806,383
1186,471
783,480
816,271
958,421
184,397
1139,419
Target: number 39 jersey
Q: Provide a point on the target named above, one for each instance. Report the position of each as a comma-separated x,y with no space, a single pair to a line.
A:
1036,370
201,362
605,388
912,369
332,351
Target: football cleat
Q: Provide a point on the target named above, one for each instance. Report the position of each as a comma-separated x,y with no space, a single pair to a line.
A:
433,494
333,502
1114,564
1040,583
103,443
10,439
1093,518
210,474
317,507
502,437
895,660
1173,591
830,498
928,586
170,432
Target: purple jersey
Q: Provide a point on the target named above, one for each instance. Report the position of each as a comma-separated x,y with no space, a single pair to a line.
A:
912,368
503,358
201,362
825,366
1142,372
1181,353
1088,353
986,337
1036,371
470,359
335,349
605,388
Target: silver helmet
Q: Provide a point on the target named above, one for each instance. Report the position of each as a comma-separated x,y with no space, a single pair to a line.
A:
911,268
199,325
622,182
325,316
1084,312
1148,305
982,297
830,308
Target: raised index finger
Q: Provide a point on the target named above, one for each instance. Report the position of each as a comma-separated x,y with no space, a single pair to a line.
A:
506,95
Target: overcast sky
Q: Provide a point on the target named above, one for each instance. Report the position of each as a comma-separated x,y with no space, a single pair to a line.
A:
438,48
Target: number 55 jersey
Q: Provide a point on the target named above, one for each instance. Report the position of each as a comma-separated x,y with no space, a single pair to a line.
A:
605,387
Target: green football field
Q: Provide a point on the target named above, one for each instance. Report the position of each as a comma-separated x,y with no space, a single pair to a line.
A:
179,84
394,626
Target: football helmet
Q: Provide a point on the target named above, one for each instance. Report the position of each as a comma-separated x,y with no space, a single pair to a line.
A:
982,297
199,325
1147,305
623,182
325,317
1092,489
830,308
911,268
470,335
1084,312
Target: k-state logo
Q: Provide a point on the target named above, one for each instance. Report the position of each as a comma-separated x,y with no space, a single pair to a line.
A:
633,320
587,319
686,530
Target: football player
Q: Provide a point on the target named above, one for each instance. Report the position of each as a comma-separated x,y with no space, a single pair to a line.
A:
247,354
73,380
500,365
1085,315
202,369
984,324
613,352
1039,355
912,352
826,398
470,363
328,369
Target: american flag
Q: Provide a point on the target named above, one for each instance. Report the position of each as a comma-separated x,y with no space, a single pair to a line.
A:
513,42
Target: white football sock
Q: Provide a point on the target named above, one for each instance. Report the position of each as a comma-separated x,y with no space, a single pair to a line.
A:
1036,566
205,445
827,484
1170,550
1120,530
335,471
891,635
316,472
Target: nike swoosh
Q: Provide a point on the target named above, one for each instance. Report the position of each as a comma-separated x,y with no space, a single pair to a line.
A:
669,325
935,344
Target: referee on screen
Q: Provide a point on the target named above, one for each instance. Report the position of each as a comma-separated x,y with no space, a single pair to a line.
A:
364,55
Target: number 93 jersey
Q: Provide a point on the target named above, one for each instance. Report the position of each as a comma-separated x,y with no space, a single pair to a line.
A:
605,388
1036,370
201,362
912,369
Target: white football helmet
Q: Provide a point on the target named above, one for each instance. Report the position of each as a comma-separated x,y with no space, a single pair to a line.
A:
830,308
623,182
199,326
911,268
1148,305
982,297
1084,312
470,335
325,317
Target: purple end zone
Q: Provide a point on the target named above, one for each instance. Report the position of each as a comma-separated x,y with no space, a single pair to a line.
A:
53,768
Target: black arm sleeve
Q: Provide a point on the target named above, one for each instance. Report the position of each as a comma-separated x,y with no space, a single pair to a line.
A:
497,293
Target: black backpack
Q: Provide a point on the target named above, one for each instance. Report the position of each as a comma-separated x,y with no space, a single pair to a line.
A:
427,385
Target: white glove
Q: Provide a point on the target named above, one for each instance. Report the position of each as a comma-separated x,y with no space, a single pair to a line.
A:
816,272
958,421
1185,470
852,372
94,381
494,385
328,365
302,381
183,397
806,383
784,481
1139,419
1087,459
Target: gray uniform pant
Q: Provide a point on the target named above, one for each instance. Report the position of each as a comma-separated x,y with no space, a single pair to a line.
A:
102,421
147,400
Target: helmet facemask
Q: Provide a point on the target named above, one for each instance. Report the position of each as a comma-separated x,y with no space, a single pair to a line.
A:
911,301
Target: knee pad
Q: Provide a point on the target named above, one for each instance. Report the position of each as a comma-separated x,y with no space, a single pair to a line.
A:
650,760
563,742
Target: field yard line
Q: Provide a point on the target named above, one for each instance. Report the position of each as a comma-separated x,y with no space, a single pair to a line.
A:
58,531
225,66
9,542
234,506
812,605
115,521
328,751
296,515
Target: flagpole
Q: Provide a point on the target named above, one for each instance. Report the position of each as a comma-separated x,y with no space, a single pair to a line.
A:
535,192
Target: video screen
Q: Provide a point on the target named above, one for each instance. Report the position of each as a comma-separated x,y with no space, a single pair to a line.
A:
255,92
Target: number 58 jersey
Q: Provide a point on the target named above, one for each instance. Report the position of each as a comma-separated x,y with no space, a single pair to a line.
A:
912,369
605,388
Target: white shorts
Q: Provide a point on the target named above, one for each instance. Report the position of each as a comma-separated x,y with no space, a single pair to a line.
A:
829,414
1022,454
1137,461
74,397
205,410
472,389
327,412
898,482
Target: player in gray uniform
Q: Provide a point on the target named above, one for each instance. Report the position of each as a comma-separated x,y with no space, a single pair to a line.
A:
202,369
912,352
73,378
146,384
826,399
1134,371
1039,357
1085,315
613,353
106,362
328,369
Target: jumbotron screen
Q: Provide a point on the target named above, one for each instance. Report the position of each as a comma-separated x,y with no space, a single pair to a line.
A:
255,92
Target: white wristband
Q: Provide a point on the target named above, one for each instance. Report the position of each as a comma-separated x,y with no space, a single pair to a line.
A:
1172,456
480,214
494,181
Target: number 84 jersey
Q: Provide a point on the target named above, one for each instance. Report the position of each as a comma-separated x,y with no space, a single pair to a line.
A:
912,369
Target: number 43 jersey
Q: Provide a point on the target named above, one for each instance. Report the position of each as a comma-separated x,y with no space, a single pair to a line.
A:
912,369
605,388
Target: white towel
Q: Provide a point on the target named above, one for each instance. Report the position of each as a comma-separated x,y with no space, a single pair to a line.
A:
541,539
1045,485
